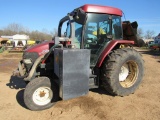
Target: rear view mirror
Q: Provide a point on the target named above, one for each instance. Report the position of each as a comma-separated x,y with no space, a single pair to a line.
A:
80,16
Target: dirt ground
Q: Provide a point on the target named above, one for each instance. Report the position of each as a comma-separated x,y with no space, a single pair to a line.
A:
144,104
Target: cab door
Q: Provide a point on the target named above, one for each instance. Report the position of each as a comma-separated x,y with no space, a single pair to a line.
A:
95,35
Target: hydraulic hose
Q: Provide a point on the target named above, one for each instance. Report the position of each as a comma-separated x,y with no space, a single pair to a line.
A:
46,55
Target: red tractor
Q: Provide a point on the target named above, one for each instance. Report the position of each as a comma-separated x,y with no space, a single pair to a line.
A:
96,51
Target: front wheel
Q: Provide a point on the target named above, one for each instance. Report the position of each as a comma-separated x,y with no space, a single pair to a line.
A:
40,94
122,71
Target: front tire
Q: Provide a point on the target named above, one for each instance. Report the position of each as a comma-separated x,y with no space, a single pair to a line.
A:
40,94
122,71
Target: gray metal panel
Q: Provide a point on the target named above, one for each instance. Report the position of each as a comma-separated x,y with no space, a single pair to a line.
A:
56,61
74,66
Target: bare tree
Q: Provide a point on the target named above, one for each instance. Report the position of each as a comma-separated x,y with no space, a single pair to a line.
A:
1,32
139,33
54,33
36,35
15,28
149,34
45,31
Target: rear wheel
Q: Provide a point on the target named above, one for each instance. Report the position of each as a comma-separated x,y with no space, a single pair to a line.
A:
122,71
40,94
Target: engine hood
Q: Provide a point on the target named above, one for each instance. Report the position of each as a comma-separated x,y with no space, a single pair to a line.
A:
41,48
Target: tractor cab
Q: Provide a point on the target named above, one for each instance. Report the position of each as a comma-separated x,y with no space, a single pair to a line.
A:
90,28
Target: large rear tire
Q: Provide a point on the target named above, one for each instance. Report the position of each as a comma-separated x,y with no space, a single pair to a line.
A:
122,71
40,94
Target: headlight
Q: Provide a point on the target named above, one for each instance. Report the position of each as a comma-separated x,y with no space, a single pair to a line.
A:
27,61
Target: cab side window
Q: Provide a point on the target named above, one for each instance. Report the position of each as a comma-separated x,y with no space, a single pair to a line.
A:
116,27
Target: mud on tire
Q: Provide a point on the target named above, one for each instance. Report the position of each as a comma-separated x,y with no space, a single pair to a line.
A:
122,71
40,94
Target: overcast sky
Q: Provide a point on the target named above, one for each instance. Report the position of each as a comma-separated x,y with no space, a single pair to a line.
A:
45,14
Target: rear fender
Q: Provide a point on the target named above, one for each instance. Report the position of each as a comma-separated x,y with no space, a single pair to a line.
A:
112,45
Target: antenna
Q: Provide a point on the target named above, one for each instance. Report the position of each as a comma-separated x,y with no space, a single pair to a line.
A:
124,15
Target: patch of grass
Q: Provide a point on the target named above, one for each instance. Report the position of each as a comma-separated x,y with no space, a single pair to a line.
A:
144,48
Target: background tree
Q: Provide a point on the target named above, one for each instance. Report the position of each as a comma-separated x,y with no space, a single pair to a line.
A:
140,33
15,28
149,34
54,33
1,32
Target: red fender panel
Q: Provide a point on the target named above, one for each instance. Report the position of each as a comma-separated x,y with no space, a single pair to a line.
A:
109,47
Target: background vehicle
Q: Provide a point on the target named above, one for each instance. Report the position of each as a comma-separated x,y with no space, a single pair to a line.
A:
155,45
150,43
96,51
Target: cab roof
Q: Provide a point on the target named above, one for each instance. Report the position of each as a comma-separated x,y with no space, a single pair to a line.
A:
90,8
